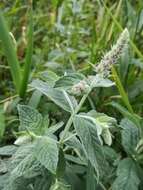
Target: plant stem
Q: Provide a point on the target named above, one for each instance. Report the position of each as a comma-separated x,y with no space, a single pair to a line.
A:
69,123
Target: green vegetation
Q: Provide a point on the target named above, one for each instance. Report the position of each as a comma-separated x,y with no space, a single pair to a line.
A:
71,95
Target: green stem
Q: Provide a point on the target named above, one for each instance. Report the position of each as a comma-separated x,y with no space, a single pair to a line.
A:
69,123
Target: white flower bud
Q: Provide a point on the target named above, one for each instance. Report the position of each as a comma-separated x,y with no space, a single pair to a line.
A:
80,88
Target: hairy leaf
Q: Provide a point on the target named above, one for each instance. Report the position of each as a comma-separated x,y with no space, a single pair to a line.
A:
46,152
127,177
66,82
98,81
30,118
28,167
8,150
61,98
130,136
87,133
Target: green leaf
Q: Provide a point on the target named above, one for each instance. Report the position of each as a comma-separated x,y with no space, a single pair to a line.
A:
98,81
66,82
28,167
87,133
30,118
3,180
103,122
35,99
8,150
107,136
52,129
91,182
21,153
102,118
130,136
3,167
46,152
49,77
127,177
61,98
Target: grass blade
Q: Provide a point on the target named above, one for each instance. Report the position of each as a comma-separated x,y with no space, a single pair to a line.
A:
10,52
28,59
136,50
118,9
121,90
2,122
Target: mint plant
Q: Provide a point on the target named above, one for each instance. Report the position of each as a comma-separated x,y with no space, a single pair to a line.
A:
53,157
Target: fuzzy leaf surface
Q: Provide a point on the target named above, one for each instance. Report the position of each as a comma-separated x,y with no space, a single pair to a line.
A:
130,136
46,152
127,177
87,133
30,118
59,97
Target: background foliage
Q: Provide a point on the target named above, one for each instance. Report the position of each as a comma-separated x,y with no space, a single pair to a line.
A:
103,148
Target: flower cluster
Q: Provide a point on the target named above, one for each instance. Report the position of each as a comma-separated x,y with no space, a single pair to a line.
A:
80,88
113,55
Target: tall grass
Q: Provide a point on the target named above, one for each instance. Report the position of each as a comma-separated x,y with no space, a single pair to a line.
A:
20,79
10,53
28,59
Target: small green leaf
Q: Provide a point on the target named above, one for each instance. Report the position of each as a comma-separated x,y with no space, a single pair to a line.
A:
66,82
106,134
30,118
87,133
91,182
127,177
46,152
52,129
130,136
3,167
8,150
29,167
35,99
61,98
49,77
98,81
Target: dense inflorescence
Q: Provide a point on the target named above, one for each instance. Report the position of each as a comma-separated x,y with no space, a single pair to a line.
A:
113,55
